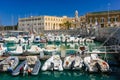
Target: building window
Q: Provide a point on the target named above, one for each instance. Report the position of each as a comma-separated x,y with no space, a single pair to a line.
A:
90,20
96,20
102,20
115,19
39,18
48,24
45,24
108,19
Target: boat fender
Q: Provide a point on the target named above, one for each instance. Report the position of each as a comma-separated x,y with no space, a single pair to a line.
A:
67,62
29,71
104,64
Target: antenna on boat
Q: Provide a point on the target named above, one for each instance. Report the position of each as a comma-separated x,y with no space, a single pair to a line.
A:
108,14
18,23
1,26
37,25
12,17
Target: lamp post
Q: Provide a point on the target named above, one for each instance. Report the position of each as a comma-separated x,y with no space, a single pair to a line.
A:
108,14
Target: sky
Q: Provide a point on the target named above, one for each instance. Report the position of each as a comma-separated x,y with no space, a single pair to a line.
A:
11,10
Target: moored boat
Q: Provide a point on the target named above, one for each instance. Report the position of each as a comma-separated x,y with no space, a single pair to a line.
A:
2,49
11,40
90,64
18,51
31,65
19,68
94,64
34,50
9,64
50,48
73,62
53,63
102,65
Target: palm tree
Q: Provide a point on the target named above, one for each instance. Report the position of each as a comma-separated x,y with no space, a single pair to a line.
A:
67,24
61,26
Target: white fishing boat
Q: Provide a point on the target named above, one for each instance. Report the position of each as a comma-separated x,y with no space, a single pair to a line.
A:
31,37
53,63
73,62
31,65
1,39
103,66
91,65
11,40
34,50
57,39
34,65
72,39
19,68
83,49
77,40
82,40
50,48
63,38
89,41
2,49
94,64
78,63
36,39
21,39
19,50
9,63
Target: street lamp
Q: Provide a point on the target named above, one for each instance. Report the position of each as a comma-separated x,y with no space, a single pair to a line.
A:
108,14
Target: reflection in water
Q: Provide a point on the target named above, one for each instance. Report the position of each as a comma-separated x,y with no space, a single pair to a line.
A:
64,75
75,74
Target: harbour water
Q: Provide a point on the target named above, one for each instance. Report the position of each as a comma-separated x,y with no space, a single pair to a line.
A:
68,74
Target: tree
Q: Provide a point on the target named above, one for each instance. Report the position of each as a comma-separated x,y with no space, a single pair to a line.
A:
67,25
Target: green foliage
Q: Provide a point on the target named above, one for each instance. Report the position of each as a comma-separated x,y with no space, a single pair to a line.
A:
66,25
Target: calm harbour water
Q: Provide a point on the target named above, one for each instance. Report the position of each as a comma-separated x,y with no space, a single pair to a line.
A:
66,74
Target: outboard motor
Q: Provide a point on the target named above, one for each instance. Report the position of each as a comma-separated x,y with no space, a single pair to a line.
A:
98,66
72,65
52,65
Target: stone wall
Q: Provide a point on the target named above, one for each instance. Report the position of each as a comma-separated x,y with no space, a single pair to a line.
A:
70,32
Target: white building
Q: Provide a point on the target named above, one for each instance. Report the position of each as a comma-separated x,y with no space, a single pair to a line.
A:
40,23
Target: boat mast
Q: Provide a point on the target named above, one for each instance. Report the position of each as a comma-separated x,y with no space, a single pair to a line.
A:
37,25
12,22
108,14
